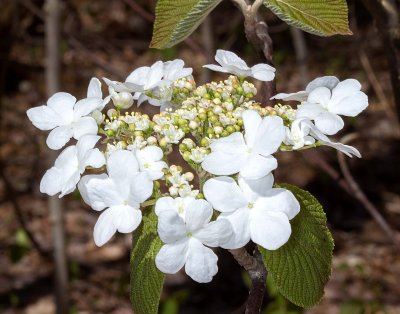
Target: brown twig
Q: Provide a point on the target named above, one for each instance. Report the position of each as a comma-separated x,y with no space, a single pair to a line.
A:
356,191
256,31
258,274
52,43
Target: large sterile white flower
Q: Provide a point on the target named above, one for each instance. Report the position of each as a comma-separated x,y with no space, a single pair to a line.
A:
65,117
255,209
150,161
186,237
69,166
119,193
231,63
248,155
326,99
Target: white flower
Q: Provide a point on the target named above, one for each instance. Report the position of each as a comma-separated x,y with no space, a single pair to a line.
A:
255,209
198,154
186,237
298,134
119,193
173,134
65,117
150,161
326,98
231,63
324,140
69,166
121,100
249,155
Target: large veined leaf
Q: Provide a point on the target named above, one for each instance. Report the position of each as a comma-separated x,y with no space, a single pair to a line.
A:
301,267
146,280
177,19
323,18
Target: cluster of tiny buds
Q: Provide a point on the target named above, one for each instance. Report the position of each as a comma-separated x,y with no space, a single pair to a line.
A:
179,183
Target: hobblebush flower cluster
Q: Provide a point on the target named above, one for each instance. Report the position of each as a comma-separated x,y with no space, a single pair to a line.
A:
217,189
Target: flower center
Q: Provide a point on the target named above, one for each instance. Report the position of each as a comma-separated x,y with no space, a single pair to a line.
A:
250,205
189,234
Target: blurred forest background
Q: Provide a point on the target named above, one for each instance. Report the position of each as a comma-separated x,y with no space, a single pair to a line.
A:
106,38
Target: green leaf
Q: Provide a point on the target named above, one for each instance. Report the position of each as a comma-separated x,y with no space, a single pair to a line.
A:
301,267
146,280
323,18
177,19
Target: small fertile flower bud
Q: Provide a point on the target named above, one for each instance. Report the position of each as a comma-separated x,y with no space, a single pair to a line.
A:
189,176
173,191
151,140
111,113
193,125
218,129
188,142
122,100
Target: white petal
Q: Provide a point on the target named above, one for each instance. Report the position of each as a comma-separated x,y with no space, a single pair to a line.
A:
224,194
251,121
227,58
141,187
329,123
279,200
253,189
263,72
152,153
346,149
220,163
122,164
239,220
299,96
271,230
233,143
258,166
154,76
102,192
94,158
216,233
164,203
67,158
345,89
71,180
52,181
350,106
94,88
85,143
327,81
104,228
85,125
44,118
309,111
59,136
82,185
126,218
86,106
270,136
201,262
320,95
215,68
198,213
62,104
172,257
171,227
